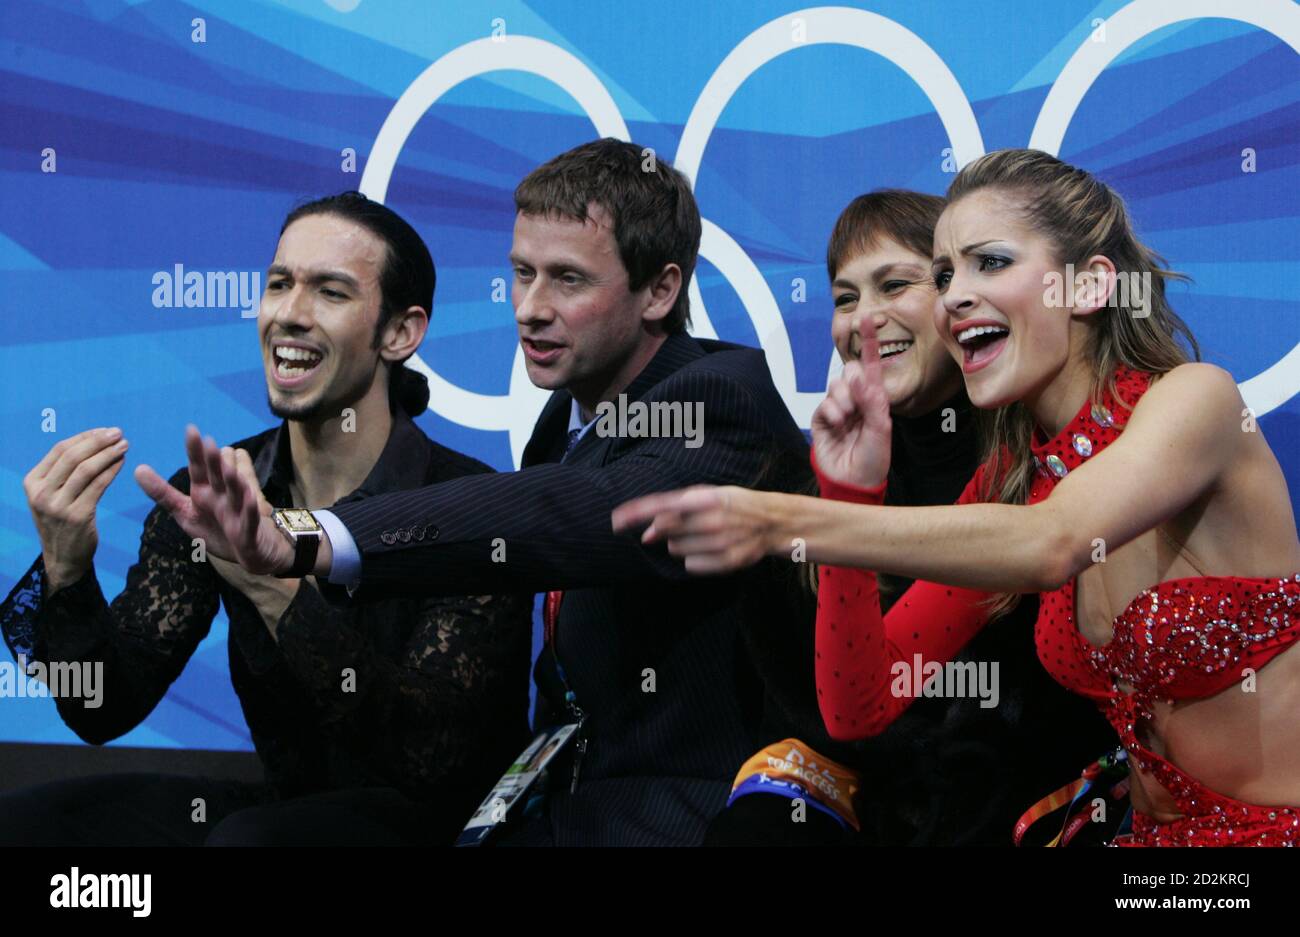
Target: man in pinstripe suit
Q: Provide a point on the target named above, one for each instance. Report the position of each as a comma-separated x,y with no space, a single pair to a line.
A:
652,664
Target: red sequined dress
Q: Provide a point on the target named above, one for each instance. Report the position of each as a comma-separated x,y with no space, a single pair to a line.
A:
1181,639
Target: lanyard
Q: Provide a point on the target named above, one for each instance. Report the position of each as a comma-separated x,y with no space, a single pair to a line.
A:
550,618
1110,766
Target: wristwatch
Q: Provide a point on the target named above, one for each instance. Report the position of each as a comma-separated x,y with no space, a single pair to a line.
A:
305,533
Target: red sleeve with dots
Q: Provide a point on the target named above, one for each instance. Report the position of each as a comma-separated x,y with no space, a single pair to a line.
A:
867,669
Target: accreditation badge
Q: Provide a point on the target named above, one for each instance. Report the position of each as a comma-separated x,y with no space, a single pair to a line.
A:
511,791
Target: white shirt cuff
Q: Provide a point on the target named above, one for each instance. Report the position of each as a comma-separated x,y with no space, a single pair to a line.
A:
345,564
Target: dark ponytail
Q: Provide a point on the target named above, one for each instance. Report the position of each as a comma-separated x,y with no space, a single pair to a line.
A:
408,389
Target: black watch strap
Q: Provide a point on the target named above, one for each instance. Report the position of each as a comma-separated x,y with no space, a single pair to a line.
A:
305,548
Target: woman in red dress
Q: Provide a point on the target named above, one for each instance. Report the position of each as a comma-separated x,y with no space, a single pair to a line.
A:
1126,485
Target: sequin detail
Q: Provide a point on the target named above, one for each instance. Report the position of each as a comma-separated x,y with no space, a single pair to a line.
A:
1181,639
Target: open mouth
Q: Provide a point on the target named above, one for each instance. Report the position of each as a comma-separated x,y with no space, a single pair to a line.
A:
540,351
981,344
292,363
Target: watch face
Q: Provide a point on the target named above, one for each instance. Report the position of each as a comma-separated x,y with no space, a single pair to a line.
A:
298,521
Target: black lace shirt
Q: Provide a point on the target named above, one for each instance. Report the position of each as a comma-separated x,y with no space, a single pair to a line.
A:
429,696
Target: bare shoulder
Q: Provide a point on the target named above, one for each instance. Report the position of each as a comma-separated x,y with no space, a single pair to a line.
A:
1198,377
1196,394
1197,412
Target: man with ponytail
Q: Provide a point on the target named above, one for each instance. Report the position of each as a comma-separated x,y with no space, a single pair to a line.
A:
383,723
646,671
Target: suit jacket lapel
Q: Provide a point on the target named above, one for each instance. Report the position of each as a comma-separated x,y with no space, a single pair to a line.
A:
547,442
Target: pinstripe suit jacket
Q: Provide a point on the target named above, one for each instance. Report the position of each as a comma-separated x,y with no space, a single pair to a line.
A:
656,658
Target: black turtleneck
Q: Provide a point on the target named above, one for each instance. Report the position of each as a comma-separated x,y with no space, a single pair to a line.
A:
932,457
928,463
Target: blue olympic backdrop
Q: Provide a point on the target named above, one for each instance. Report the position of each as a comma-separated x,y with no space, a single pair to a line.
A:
139,135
